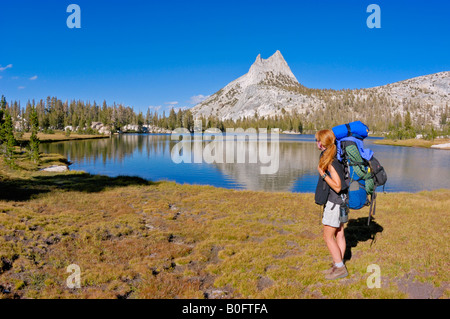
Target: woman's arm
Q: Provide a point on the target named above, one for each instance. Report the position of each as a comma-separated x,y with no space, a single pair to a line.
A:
333,180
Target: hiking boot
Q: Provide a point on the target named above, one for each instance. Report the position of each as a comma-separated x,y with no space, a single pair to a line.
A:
337,273
328,271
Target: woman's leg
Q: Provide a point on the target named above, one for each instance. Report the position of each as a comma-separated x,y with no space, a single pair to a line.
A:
330,239
340,240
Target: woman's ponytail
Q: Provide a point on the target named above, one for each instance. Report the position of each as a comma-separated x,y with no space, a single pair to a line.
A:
327,139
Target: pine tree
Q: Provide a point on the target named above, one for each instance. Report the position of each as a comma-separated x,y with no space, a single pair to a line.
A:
148,117
407,122
10,141
7,133
172,119
2,120
188,121
179,119
34,140
140,120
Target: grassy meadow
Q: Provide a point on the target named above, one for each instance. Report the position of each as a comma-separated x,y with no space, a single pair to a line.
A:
59,136
134,238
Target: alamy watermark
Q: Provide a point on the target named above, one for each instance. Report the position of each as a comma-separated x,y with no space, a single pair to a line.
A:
374,280
215,146
74,280
374,20
74,19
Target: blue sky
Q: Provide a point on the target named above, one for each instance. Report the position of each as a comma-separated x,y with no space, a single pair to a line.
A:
167,53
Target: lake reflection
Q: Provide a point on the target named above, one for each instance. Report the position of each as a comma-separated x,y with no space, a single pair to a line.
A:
149,156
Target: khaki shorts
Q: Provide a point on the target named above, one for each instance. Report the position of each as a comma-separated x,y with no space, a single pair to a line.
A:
331,215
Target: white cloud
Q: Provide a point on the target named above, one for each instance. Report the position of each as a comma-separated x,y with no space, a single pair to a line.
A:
33,78
172,103
3,68
198,98
166,108
154,108
1,77
14,77
183,108
20,87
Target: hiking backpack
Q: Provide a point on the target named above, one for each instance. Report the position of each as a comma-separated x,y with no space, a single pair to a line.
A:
363,170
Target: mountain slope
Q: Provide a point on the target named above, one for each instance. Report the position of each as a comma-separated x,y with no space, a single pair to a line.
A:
261,90
270,89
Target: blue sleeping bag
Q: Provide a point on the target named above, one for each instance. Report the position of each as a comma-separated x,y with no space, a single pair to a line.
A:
357,196
357,129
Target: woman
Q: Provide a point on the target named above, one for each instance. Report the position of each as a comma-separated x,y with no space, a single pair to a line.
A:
331,172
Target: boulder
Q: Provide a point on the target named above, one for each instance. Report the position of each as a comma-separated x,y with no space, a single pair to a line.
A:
55,168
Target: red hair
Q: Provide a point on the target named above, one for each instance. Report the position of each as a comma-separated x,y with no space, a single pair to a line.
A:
327,139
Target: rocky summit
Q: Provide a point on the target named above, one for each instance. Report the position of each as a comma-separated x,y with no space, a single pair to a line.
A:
261,90
271,89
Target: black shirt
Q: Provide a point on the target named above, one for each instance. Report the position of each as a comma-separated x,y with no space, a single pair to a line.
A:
325,193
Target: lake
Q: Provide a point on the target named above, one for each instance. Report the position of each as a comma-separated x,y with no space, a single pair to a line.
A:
149,156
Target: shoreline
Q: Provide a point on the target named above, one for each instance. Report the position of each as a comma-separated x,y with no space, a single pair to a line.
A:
56,161
59,137
421,143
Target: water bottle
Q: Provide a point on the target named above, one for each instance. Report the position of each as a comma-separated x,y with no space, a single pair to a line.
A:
343,213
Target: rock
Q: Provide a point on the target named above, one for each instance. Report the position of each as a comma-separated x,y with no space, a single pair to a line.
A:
216,294
264,282
102,129
131,127
145,129
443,146
55,168
154,129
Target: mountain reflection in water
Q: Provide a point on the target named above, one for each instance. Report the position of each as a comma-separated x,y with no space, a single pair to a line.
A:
149,156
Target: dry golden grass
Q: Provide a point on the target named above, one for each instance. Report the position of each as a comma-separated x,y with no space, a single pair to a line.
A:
137,239
60,136
413,142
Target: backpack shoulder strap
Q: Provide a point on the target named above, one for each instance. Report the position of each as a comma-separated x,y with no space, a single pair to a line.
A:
373,205
349,130
340,170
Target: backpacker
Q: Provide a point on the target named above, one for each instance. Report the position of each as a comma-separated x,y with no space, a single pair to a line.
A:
363,169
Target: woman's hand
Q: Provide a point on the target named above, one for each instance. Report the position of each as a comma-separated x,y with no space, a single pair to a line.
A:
321,171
